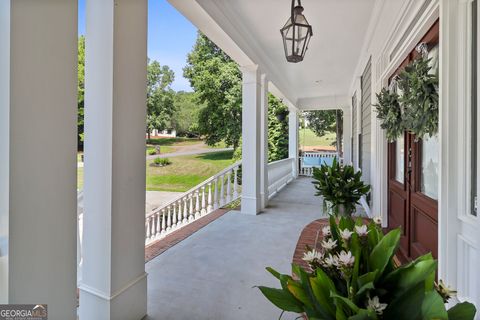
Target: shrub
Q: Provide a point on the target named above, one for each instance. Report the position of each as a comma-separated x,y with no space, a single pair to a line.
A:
340,186
162,162
354,277
152,152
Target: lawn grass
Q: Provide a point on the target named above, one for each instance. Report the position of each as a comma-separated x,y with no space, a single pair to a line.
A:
184,173
187,171
173,141
163,149
308,138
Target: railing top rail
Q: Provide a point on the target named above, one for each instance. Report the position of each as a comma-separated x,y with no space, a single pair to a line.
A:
281,161
198,186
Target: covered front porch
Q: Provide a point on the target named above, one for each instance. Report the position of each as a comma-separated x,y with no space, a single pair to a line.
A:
361,45
212,273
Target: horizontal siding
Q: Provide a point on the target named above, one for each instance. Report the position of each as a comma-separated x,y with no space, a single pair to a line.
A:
366,105
354,129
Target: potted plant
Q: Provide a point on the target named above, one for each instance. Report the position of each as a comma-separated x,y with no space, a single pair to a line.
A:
353,276
340,186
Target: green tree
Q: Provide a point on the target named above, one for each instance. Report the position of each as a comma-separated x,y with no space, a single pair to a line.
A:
277,129
81,91
323,121
160,96
187,109
216,79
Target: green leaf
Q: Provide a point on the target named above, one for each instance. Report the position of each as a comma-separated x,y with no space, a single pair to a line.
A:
324,304
299,293
406,306
282,299
433,307
409,275
346,302
383,252
364,314
462,311
275,273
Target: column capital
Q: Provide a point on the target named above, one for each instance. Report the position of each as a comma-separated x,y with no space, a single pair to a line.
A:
251,74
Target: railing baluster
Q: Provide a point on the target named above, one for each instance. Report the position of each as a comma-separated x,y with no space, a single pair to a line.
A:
203,211
215,194
147,229
197,204
169,219
179,213
209,200
229,187
235,183
174,215
164,225
185,209
222,192
191,215
158,223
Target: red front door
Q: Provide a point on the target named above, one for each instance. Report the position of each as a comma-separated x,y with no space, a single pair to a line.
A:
413,183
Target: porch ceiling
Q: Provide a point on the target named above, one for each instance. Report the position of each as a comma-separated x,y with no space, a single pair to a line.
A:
252,27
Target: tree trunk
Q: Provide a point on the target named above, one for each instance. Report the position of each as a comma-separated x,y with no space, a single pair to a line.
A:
339,125
148,135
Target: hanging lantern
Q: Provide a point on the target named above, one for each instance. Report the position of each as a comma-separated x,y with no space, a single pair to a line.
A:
296,34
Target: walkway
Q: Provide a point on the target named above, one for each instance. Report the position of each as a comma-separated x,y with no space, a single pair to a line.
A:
188,150
211,274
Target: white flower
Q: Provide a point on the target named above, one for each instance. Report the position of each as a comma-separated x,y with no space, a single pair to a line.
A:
329,244
376,306
330,261
311,256
346,259
378,220
361,230
326,231
345,234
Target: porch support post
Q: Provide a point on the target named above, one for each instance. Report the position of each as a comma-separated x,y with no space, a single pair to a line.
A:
251,100
114,282
38,141
293,139
264,143
347,135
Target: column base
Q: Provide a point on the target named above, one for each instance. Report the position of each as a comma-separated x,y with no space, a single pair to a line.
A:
128,303
250,205
263,201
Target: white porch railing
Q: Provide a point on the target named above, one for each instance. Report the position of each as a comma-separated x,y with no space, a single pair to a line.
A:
280,173
215,192
310,160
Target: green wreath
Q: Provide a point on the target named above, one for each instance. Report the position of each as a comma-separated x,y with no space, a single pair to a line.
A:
420,98
390,113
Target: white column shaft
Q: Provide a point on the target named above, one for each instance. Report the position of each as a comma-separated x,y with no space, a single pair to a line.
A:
293,140
38,139
114,280
264,142
251,199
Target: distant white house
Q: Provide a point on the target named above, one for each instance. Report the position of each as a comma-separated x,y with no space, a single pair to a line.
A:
168,133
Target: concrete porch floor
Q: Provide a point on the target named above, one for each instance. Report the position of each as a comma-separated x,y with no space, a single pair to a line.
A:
211,274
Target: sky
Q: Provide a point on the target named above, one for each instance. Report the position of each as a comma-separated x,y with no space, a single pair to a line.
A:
170,38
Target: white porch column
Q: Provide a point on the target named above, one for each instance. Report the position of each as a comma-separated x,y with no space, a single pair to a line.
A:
114,282
264,142
38,139
251,106
347,135
293,139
